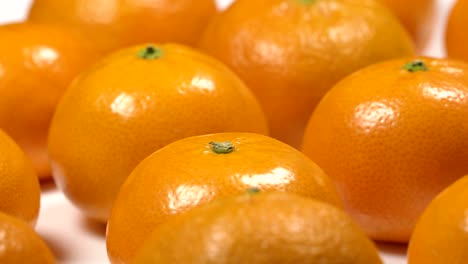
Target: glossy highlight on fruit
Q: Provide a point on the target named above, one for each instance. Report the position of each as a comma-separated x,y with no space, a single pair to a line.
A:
131,104
392,136
37,63
196,170
114,24
290,52
260,228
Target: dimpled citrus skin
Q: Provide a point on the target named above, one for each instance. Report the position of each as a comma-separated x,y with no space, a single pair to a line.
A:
291,52
114,24
19,186
456,34
392,140
271,227
188,173
126,107
418,17
441,234
37,63
19,243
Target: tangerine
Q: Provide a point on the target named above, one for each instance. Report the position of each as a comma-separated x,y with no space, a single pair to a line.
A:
196,170
392,136
456,34
291,52
19,243
19,186
115,24
441,234
37,63
418,17
134,102
270,227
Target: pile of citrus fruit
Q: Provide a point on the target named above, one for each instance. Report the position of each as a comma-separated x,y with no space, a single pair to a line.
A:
274,131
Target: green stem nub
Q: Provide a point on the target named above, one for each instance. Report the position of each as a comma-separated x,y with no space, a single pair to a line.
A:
415,66
307,2
253,190
222,147
150,53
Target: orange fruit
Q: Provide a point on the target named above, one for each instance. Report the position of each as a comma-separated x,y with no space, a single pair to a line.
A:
441,234
19,186
196,170
418,17
37,63
456,34
133,103
113,24
19,243
291,52
392,136
270,227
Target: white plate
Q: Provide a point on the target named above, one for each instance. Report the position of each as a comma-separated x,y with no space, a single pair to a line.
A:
75,240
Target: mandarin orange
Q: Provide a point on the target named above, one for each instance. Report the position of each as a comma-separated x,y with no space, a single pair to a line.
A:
392,136
37,63
291,52
457,33
19,243
114,24
19,186
265,228
441,234
196,170
134,102
418,17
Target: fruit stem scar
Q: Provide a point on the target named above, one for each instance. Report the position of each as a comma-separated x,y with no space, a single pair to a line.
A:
253,190
415,66
307,2
150,53
222,147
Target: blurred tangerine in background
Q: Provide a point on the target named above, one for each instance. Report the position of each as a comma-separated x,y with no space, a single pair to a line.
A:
37,63
114,24
457,31
418,17
21,244
290,53
19,185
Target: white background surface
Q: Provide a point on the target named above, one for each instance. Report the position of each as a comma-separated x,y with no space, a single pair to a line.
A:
75,240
